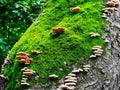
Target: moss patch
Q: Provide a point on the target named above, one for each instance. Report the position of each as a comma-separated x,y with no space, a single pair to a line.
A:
69,46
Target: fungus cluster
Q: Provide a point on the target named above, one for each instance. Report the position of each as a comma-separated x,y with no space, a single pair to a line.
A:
26,74
111,8
97,51
113,3
94,35
87,67
53,76
23,58
70,80
57,30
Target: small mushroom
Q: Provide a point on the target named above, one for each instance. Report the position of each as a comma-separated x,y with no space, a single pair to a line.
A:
112,3
25,84
81,70
63,87
70,80
72,75
98,55
75,9
106,41
71,88
57,30
75,71
86,69
73,78
70,84
87,66
23,69
68,77
28,73
21,61
22,53
93,56
53,76
99,47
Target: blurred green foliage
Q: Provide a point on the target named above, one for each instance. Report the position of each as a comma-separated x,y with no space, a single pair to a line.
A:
15,18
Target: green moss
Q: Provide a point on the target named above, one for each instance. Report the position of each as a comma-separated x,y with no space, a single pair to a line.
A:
69,46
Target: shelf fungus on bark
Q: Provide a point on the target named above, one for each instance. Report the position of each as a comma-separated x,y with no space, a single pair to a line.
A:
75,9
70,84
93,35
63,87
53,76
75,71
110,9
106,41
112,3
25,84
92,56
58,30
23,58
70,80
72,75
28,72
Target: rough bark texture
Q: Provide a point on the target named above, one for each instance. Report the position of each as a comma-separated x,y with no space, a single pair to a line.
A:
105,74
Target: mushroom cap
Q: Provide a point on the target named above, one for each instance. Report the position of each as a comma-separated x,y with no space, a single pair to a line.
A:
22,53
26,84
87,66
72,75
21,61
70,80
70,84
98,55
97,46
92,56
75,9
53,76
63,87
28,73
80,69
75,71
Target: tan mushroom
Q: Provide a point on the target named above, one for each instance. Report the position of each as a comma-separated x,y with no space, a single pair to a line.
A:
87,66
112,3
28,73
70,84
92,56
70,80
57,30
75,71
25,84
75,9
63,87
53,76
72,75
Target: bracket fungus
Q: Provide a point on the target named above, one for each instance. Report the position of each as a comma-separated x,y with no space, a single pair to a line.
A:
28,72
57,30
53,76
75,9
110,9
23,58
112,3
